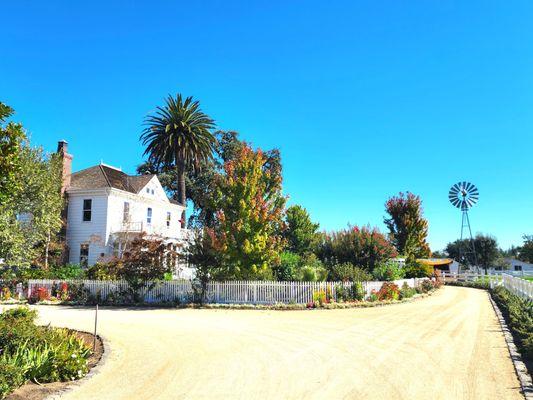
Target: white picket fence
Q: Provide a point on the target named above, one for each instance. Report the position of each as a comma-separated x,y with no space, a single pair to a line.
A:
238,292
519,286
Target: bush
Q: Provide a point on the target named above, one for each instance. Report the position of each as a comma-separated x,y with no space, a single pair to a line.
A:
358,292
288,266
425,286
518,313
69,271
388,271
39,353
11,377
373,296
5,294
388,291
104,271
348,272
406,291
320,298
418,270
363,246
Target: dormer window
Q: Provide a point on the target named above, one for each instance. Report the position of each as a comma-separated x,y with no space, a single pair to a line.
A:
149,216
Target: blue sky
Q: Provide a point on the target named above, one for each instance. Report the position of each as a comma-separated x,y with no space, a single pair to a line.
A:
364,99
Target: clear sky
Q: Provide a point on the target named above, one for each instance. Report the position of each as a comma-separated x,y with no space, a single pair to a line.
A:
363,98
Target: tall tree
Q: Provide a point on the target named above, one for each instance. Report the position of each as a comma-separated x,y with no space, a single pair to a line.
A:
200,183
179,136
249,217
12,137
300,233
487,251
30,215
408,229
526,251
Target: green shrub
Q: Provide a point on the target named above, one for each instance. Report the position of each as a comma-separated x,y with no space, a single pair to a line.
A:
38,353
388,271
319,298
288,266
348,272
373,296
69,271
358,291
518,313
406,291
418,270
11,377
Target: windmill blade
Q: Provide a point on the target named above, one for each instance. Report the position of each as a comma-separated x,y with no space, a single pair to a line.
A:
455,187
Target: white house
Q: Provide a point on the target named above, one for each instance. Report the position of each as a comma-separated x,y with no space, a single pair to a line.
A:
107,208
519,267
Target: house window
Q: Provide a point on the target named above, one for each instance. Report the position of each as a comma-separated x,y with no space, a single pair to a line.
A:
169,216
84,255
152,191
518,268
126,212
87,209
149,216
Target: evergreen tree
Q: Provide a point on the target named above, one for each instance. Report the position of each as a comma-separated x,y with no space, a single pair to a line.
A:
300,233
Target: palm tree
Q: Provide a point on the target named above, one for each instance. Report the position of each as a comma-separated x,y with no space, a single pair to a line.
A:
179,135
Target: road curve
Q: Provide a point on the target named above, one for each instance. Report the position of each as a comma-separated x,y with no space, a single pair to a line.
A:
448,346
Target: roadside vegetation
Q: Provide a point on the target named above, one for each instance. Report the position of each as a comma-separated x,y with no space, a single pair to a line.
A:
518,314
35,353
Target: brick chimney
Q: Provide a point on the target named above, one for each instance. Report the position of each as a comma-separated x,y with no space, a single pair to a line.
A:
62,147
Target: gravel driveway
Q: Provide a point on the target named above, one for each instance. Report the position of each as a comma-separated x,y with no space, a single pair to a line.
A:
447,346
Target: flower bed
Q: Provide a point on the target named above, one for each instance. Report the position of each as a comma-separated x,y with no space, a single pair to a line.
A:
37,353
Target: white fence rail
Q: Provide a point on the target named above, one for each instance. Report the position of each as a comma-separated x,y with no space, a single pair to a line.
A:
238,292
519,286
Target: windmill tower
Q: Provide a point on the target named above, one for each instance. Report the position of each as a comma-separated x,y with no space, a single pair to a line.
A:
464,195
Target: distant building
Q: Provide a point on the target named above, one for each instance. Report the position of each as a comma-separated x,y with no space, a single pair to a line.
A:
442,264
107,208
519,266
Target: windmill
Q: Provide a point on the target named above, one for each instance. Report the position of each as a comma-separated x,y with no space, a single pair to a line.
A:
464,195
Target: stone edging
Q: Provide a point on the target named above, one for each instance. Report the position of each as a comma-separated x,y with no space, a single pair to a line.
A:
93,372
519,366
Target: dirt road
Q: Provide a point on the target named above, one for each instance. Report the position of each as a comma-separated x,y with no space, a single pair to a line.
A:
448,346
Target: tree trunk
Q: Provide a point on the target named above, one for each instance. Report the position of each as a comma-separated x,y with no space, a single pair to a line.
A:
182,195
46,251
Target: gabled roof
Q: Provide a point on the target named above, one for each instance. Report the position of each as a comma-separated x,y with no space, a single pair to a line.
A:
102,176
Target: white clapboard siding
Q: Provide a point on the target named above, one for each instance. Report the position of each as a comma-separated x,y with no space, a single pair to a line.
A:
237,292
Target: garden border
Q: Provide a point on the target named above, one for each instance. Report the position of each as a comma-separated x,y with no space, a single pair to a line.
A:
519,366
92,373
